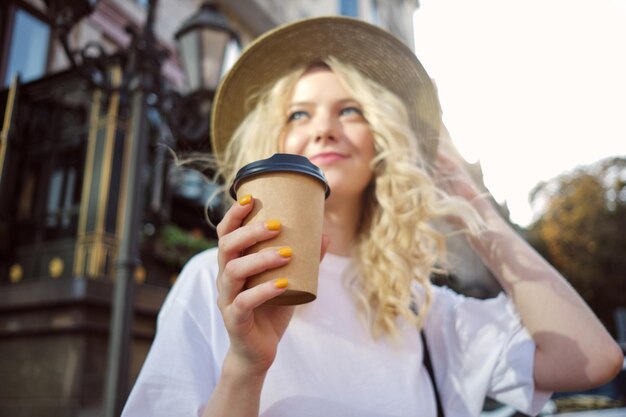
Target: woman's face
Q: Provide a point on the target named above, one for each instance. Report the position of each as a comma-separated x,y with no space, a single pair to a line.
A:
325,124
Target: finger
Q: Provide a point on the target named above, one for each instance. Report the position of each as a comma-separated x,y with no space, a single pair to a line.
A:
445,162
233,280
235,215
244,304
325,244
232,244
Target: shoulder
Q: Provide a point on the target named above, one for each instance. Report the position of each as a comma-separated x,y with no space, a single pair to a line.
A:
195,284
198,269
190,340
461,321
444,302
447,301
203,262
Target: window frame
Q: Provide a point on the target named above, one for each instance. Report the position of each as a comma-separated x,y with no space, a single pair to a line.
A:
355,5
8,13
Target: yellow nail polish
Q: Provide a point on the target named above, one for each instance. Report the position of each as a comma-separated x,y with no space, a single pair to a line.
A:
272,224
285,251
246,199
281,283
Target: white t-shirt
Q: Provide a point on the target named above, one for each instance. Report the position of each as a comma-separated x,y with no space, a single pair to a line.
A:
328,364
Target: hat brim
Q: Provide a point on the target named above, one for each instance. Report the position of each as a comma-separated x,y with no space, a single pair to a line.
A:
374,52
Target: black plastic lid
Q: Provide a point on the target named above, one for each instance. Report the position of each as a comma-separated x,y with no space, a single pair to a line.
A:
280,162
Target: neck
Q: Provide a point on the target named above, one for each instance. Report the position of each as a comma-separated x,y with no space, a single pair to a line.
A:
341,222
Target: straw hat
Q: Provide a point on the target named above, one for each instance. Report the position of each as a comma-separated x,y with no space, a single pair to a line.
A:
374,52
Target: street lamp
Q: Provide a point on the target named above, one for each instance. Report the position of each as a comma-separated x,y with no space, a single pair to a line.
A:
202,40
202,43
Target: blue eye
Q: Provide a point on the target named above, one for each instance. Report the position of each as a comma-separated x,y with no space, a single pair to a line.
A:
297,115
350,110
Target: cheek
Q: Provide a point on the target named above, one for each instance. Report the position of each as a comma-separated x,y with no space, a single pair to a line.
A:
292,142
281,143
364,141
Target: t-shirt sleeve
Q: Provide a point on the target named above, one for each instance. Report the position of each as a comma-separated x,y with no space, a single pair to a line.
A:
480,348
181,369
512,381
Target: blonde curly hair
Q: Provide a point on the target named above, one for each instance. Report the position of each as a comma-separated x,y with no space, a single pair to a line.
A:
397,244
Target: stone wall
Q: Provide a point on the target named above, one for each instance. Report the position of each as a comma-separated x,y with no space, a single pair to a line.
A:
54,343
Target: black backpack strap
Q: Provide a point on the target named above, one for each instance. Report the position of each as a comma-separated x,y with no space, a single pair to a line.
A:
429,367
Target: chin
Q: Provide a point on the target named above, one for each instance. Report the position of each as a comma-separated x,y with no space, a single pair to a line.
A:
346,182
346,191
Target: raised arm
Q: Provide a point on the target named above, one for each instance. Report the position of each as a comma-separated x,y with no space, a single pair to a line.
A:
574,350
254,329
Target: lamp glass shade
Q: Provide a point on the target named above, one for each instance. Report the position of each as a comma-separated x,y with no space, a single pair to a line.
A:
202,53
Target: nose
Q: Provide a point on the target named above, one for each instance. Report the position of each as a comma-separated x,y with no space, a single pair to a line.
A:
325,127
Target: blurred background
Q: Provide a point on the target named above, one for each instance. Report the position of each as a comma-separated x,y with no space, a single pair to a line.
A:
97,218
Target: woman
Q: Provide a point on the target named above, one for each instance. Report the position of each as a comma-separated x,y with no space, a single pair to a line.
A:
356,102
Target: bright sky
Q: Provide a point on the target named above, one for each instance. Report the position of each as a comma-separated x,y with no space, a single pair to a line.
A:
531,88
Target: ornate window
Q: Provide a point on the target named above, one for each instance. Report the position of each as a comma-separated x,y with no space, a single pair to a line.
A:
53,140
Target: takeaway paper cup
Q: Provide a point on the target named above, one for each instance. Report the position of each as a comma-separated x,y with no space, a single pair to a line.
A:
291,189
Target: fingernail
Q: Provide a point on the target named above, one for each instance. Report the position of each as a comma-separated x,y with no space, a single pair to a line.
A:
281,283
246,199
272,225
285,251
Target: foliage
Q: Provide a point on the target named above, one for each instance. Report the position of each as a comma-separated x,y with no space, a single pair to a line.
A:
176,245
583,232
586,402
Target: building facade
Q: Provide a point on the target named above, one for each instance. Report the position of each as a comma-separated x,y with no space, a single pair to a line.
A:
64,163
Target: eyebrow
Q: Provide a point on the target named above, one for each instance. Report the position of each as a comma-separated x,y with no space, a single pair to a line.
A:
308,103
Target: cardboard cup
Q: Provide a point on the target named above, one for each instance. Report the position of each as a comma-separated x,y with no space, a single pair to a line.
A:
297,200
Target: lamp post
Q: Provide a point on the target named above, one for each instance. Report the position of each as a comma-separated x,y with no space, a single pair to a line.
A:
202,40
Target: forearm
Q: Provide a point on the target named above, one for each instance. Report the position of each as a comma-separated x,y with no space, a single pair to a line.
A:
237,393
574,350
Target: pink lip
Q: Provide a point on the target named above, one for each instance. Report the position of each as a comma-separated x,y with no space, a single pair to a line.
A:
327,158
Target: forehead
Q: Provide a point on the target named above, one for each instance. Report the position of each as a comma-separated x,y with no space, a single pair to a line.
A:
319,83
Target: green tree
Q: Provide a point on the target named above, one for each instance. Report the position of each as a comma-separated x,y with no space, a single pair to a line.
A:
583,232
